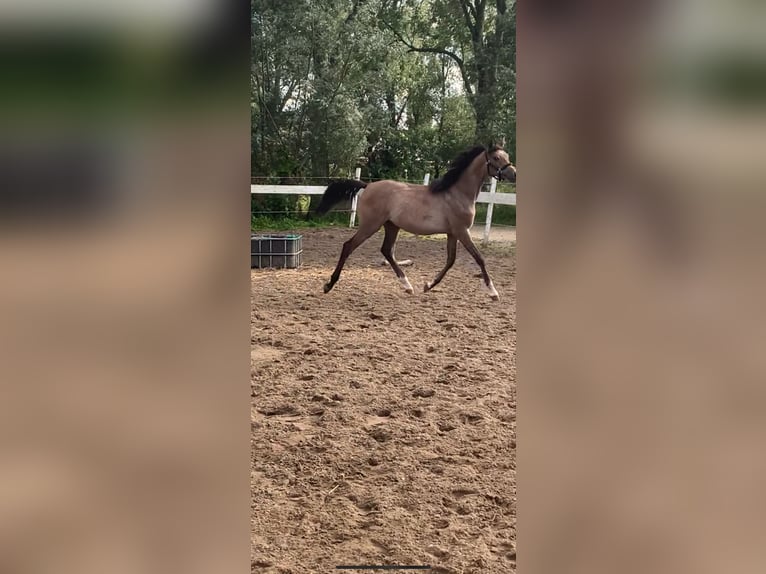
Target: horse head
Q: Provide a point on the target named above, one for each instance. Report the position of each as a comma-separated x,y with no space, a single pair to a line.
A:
499,165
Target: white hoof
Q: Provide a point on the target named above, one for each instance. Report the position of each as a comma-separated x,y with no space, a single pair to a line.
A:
493,294
406,284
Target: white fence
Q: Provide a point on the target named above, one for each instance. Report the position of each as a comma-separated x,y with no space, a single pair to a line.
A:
491,198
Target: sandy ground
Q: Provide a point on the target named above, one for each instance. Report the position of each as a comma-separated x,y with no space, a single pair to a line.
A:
383,424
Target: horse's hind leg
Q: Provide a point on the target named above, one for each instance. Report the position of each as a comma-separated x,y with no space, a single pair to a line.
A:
451,254
387,249
362,235
465,238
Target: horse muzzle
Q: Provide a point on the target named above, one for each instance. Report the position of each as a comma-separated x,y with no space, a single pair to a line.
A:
508,173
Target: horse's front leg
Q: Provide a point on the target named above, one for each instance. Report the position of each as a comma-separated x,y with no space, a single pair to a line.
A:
451,253
464,237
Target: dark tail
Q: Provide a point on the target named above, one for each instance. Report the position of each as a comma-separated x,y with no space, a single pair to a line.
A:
338,191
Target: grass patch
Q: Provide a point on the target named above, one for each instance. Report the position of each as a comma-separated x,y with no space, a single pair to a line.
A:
268,223
502,215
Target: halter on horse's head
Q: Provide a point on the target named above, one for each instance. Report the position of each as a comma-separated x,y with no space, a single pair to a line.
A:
499,165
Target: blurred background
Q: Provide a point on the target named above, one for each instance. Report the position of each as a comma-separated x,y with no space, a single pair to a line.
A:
641,404
124,138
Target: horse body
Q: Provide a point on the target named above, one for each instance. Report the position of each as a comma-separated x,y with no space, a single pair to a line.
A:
446,206
409,207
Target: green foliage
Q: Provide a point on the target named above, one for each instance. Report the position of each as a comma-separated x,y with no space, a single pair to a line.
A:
260,223
397,87
501,215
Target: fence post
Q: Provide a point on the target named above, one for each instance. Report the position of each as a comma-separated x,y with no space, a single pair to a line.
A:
352,222
426,179
490,206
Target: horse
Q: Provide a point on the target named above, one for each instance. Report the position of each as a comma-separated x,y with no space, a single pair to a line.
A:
448,205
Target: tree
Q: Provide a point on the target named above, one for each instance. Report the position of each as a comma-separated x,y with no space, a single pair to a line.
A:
478,36
404,84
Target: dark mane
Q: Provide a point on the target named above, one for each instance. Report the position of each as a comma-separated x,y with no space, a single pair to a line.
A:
457,167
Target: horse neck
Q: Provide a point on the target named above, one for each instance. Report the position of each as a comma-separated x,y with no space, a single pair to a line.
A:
469,184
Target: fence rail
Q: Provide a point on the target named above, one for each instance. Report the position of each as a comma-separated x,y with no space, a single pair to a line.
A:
491,197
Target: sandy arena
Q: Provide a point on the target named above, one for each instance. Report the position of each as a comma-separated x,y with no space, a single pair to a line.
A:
383,424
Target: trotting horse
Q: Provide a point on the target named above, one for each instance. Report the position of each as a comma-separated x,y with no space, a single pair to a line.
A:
448,206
